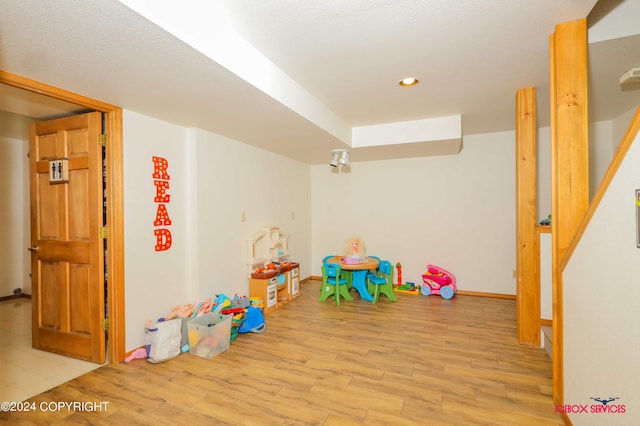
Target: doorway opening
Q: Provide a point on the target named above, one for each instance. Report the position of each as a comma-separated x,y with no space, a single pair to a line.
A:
113,212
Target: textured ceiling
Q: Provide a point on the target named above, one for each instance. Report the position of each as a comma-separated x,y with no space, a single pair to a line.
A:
341,60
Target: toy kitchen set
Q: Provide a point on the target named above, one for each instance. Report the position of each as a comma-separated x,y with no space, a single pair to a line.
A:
273,279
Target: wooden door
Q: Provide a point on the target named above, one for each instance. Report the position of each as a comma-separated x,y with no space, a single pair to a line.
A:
67,263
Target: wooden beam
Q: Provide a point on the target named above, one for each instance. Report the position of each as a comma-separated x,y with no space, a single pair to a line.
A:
527,252
569,164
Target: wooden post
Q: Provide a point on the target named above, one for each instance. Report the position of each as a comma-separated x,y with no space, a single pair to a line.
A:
569,164
527,252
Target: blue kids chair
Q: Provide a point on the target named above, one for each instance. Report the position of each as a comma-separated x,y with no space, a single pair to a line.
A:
347,275
372,274
332,284
324,260
383,282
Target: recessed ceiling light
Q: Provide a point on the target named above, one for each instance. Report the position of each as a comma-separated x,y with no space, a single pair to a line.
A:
409,81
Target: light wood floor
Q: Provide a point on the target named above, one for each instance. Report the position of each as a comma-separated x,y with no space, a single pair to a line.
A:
420,361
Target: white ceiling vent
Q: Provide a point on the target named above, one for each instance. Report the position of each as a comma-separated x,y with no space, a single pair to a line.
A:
631,76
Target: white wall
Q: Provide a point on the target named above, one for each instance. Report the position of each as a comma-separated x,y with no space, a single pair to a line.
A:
601,315
15,261
155,281
270,189
457,212
619,128
213,180
546,277
600,153
543,175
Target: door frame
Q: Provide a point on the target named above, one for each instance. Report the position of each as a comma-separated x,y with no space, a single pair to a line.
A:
115,204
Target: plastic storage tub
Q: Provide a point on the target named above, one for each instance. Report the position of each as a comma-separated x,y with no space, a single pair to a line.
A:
209,335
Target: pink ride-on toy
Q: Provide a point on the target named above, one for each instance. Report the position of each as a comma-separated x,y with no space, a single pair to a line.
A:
438,281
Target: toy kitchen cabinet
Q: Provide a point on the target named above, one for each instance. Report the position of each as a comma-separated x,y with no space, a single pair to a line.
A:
294,280
265,289
272,277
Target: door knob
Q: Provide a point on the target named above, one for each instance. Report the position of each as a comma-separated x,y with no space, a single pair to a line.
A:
33,249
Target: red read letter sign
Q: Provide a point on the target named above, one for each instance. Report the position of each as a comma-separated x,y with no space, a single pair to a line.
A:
161,181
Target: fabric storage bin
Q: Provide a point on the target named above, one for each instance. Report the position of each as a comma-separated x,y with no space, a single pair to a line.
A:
163,340
185,332
209,335
236,323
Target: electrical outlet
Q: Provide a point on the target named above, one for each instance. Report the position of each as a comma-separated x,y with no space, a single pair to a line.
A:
293,215
515,274
243,216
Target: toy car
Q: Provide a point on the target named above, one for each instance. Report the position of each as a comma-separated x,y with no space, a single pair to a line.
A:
438,281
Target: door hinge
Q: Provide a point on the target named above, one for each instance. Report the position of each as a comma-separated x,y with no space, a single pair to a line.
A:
102,140
103,232
105,324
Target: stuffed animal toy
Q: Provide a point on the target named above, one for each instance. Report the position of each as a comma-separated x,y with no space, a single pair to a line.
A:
205,307
181,311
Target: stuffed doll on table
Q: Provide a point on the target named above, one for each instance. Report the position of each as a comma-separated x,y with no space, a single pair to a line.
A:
354,250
